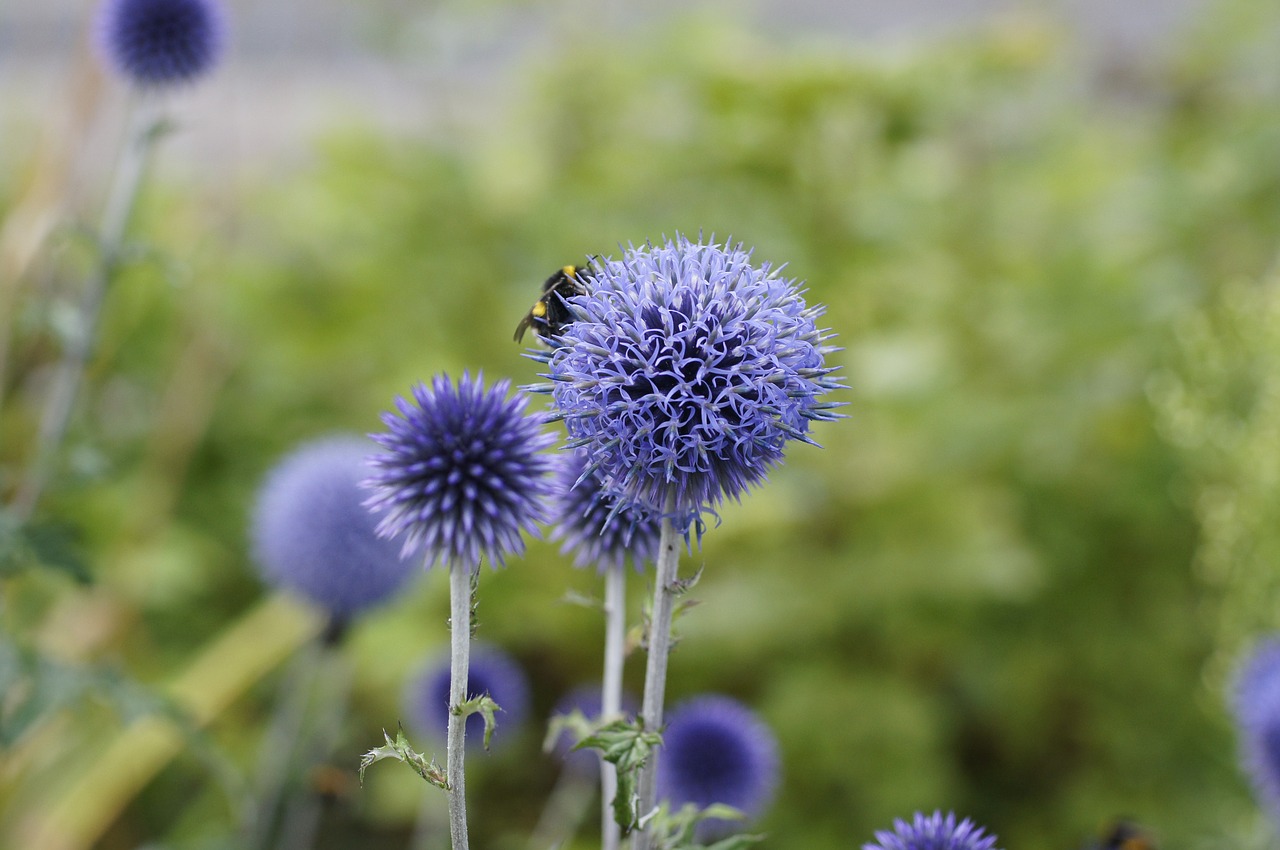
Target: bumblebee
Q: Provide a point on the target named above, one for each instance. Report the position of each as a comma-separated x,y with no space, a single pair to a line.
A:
1125,835
550,314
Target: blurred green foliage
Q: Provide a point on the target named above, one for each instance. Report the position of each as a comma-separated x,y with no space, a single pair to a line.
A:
1011,584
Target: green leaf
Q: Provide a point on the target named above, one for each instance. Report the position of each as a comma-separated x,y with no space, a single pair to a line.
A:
40,545
627,745
485,707
400,750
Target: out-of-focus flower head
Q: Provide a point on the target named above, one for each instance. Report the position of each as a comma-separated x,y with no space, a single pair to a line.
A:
310,533
1257,713
463,472
588,700
493,672
686,371
933,832
716,750
597,526
158,43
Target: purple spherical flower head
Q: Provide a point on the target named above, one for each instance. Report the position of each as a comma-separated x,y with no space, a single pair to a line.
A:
155,43
686,370
588,700
716,750
597,525
934,832
1257,711
463,472
491,672
311,534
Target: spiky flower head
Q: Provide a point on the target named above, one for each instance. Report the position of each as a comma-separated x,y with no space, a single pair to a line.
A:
463,473
716,750
686,370
597,526
493,672
1257,714
157,43
310,533
933,832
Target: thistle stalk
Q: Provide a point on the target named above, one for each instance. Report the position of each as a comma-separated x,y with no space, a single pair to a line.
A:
655,675
615,613
144,123
459,661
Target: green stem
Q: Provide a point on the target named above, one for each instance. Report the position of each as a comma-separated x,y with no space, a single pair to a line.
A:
615,614
280,743
666,573
144,122
459,662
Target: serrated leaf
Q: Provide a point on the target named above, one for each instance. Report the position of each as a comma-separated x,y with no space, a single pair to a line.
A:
485,707
400,750
626,744
575,723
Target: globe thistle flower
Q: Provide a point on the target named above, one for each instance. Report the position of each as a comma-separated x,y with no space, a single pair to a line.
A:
596,525
1257,714
686,370
310,533
935,832
463,473
492,672
716,750
157,43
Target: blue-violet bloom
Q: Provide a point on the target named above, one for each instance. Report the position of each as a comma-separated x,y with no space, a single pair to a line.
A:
599,527
933,832
493,672
686,370
463,473
157,43
716,750
310,533
1257,713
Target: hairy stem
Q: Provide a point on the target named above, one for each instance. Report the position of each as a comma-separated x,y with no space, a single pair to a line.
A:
459,662
143,123
655,672
615,633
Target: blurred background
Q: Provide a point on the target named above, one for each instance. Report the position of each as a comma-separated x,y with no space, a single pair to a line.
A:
1014,583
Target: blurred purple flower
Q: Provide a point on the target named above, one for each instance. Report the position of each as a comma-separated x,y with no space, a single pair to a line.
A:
462,473
594,525
156,43
716,750
310,533
492,672
1257,712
